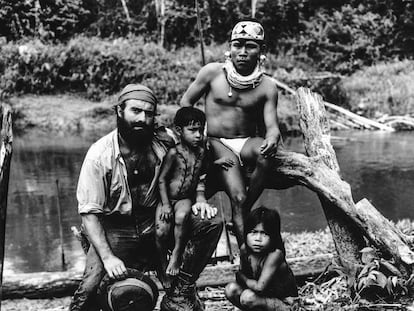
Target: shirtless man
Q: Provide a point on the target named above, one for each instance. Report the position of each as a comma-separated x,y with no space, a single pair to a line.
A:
240,104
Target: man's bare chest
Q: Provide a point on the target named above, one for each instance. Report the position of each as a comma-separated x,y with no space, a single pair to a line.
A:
140,167
221,94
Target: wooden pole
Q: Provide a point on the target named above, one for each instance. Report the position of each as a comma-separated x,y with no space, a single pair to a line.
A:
128,17
200,33
6,139
254,3
62,251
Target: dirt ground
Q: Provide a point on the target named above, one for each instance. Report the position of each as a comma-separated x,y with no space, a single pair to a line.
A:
213,298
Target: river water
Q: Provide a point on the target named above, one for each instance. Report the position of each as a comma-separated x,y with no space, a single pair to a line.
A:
378,166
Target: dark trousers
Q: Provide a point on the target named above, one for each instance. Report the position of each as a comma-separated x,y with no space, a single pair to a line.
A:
138,251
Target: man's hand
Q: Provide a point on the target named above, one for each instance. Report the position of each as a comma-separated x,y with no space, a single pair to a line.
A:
115,267
166,212
269,146
225,163
204,209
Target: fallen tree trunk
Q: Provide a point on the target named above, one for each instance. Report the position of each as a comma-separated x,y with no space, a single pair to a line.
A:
59,284
352,117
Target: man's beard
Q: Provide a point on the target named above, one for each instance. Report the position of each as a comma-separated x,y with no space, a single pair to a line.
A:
135,137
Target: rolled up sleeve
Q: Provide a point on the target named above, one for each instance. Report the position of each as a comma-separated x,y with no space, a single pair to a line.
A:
91,188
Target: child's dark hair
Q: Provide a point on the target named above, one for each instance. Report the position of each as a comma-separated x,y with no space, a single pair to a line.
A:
271,225
189,115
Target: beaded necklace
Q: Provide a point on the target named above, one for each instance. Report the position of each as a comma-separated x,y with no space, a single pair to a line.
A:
237,81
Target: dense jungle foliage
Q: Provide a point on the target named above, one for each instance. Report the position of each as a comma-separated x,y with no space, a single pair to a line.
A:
335,35
90,47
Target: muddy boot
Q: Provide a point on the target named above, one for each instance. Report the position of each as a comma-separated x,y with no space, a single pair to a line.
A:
182,297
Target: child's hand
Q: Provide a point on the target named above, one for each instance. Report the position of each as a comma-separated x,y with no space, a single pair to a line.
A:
166,212
225,163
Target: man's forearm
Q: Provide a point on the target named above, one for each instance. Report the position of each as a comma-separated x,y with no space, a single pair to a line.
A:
96,235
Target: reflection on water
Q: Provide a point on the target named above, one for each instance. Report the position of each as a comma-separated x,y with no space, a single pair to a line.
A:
379,167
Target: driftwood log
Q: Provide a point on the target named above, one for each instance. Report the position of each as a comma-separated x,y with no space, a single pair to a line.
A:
6,138
345,119
353,226
59,284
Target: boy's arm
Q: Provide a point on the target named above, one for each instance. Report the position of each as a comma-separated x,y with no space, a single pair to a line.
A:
201,183
168,162
273,262
272,138
199,86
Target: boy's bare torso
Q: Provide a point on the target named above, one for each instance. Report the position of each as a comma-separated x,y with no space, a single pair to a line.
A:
234,116
185,172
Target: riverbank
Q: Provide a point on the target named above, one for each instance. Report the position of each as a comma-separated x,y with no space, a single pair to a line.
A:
74,113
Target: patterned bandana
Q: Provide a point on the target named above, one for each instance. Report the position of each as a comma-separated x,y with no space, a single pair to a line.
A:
247,30
137,91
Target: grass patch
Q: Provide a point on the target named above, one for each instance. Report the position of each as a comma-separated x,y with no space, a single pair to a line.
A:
385,88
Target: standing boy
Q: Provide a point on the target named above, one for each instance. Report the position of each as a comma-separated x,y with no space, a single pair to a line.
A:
240,107
180,187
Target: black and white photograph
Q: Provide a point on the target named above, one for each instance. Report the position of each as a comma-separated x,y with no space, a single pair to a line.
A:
206,155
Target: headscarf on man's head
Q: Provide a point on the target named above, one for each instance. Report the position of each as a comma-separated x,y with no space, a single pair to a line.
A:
248,30
139,92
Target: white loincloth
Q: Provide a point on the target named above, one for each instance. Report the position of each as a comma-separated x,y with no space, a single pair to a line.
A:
235,145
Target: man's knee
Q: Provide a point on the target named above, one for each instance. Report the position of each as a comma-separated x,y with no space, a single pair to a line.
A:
248,299
232,290
237,196
181,217
162,230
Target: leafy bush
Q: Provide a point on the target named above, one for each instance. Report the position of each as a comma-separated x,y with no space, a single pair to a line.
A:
98,68
345,40
385,88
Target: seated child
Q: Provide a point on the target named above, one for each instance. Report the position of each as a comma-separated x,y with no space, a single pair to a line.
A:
180,186
264,278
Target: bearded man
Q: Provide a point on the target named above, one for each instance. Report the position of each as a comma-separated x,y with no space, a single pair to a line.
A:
118,195
240,106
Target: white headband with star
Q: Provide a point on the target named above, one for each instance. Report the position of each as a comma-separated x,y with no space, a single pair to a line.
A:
247,30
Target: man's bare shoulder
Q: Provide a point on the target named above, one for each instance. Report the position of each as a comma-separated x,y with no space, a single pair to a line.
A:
211,70
269,82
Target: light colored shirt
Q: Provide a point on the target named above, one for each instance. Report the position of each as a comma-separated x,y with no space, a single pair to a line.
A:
103,185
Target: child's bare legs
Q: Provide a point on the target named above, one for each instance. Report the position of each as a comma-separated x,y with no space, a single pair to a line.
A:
162,232
234,185
249,300
251,155
182,210
233,292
